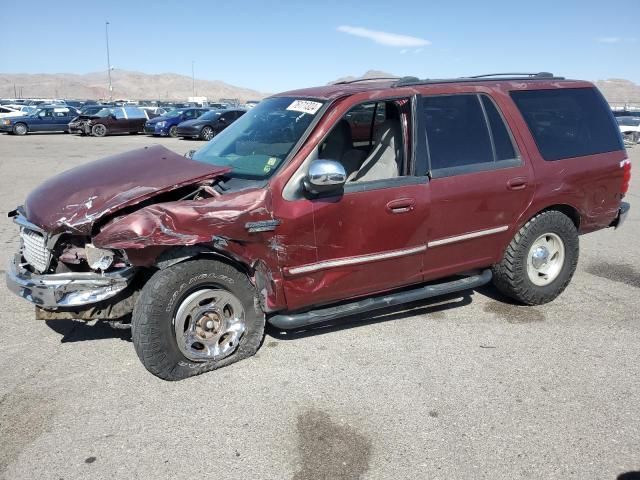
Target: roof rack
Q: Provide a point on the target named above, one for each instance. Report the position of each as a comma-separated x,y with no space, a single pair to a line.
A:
528,75
371,79
404,81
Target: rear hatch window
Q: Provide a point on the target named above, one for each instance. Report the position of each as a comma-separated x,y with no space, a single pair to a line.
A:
569,122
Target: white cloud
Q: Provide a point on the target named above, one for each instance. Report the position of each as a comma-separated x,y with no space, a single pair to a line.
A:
385,38
608,39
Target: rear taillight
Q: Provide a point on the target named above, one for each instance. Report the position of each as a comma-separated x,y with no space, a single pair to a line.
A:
626,175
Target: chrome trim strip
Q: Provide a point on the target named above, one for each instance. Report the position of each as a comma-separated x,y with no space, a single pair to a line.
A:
312,267
467,236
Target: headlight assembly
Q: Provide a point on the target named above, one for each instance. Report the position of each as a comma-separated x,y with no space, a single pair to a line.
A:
98,258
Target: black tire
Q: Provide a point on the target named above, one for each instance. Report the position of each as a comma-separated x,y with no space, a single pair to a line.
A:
510,275
20,128
153,316
207,133
173,131
99,130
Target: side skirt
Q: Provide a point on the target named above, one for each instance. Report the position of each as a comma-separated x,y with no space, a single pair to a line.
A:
297,320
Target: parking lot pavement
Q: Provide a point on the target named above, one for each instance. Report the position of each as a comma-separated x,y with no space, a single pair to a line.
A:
465,387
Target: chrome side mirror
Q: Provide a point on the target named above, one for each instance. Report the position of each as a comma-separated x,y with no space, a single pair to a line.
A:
325,176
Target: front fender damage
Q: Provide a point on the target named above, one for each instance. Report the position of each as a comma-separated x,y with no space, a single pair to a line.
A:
163,234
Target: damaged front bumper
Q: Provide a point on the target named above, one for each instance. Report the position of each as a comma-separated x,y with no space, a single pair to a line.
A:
62,290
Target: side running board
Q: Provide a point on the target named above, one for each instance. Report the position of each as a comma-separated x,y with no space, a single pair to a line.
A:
287,321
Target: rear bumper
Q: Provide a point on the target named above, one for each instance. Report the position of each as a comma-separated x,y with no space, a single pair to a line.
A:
60,290
623,212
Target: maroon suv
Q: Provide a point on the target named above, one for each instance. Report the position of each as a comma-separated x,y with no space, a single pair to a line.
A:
325,202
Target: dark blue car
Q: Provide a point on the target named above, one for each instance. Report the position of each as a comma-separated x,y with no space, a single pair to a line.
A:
47,118
167,124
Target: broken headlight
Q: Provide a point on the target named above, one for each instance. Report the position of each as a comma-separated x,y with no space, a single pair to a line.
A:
98,258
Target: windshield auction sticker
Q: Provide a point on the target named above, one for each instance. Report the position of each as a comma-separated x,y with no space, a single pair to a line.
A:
305,106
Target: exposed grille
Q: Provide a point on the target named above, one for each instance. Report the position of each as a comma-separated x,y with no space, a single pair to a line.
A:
34,249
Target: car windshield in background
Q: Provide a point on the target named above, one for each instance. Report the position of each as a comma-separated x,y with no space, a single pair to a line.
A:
212,115
173,113
258,142
105,112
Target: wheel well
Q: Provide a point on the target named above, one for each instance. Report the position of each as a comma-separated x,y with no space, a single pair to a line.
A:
568,210
182,254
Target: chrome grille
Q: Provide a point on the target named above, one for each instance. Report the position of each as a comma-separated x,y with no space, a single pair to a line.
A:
34,249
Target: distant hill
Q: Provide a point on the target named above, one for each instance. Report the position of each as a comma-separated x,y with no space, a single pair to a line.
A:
367,74
616,91
128,85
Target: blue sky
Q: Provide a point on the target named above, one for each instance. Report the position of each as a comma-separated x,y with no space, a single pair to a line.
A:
279,45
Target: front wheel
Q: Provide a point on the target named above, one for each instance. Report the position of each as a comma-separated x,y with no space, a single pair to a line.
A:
540,260
194,317
99,130
20,129
173,131
207,133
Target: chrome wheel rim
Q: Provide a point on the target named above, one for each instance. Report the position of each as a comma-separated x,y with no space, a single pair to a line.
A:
207,133
545,259
208,324
99,130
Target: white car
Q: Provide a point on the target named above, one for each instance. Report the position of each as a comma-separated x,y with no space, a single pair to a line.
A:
10,112
630,128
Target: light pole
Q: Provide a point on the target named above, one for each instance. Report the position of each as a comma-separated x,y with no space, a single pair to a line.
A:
193,78
106,29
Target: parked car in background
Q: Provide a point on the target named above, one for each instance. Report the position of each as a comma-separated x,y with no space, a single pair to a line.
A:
630,128
167,124
209,125
110,120
47,118
10,112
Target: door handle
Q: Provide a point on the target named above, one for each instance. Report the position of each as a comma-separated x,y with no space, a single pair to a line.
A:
401,205
518,183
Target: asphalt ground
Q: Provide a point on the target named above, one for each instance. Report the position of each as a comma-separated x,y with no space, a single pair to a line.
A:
467,387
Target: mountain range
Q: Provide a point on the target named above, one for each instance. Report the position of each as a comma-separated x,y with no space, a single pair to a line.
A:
171,86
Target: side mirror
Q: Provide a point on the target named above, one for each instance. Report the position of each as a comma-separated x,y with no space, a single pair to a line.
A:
325,176
112,117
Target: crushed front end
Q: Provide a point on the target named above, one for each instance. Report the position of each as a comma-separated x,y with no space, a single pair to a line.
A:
65,276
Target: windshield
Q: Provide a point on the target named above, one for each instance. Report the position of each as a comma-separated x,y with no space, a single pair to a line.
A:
212,115
172,113
258,142
105,112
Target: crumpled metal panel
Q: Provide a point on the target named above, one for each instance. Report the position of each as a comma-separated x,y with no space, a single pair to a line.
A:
73,200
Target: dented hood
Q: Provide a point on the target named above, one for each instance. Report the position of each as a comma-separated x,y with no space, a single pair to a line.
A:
73,200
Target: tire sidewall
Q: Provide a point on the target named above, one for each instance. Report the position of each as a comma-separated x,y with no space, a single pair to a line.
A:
173,131
168,288
203,134
18,127
99,128
561,225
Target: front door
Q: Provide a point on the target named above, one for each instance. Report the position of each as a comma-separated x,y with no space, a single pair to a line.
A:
480,184
372,237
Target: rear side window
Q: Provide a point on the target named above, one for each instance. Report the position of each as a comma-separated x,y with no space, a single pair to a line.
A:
465,133
568,122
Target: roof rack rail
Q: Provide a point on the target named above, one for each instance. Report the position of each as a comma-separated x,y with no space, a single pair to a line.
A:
371,79
532,75
406,81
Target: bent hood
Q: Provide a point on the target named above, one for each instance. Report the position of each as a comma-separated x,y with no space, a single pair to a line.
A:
73,200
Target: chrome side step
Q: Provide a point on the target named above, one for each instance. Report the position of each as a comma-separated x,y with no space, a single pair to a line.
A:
287,321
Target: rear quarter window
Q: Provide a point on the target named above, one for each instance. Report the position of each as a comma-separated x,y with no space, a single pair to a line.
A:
568,122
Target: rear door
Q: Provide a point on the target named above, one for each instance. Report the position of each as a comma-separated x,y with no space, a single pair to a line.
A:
480,183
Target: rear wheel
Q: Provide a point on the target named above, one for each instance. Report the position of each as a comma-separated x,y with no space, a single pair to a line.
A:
194,317
207,133
99,130
173,131
540,260
20,129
